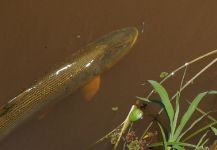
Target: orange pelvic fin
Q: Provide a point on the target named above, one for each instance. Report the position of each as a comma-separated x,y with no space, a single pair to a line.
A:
91,88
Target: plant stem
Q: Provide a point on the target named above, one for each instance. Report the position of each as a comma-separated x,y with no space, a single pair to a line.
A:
125,126
199,73
107,135
131,125
183,66
184,86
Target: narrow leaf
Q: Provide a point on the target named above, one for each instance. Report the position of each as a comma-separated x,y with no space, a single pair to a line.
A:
182,144
214,130
163,136
163,74
212,92
176,146
165,99
203,112
174,124
153,145
189,113
205,141
200,130
192,125
199,144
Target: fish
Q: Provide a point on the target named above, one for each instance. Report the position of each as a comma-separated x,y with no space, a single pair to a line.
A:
91,88
75,72
213,146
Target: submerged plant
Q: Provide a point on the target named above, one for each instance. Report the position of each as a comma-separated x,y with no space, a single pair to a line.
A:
176,136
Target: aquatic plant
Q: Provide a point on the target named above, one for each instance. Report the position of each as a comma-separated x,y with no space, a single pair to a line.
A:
172,137
177,135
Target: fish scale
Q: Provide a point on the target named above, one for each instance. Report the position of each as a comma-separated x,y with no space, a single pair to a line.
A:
82,66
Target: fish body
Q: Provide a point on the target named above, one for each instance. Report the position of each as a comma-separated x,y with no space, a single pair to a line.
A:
74,73
213,146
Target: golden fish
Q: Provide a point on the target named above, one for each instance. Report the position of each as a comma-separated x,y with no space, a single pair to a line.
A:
78,70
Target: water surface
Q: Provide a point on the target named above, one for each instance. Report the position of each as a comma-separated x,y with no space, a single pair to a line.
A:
36,35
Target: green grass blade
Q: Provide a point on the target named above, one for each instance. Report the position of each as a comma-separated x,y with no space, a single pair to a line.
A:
199,131
214,130
199,144
165,99
205,141
203,112
153,145
212,92
177,147
189,113
182,144
163,136
192,125
174,124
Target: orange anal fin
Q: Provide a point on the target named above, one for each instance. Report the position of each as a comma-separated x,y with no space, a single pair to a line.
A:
91,88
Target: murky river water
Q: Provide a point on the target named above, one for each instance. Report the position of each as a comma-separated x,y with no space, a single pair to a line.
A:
36,35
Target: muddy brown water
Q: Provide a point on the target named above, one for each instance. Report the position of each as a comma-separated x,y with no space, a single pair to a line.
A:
36,35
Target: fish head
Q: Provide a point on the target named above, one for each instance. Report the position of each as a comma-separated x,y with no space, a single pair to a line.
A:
116,45
103,53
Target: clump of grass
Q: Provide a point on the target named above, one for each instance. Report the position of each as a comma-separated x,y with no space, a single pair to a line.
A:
175,136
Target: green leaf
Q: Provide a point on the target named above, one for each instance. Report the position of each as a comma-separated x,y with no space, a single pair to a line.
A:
199,144
182,144
178,147
205,141
165,99
174,124
212,92
202,112
189,113
163,136
199,131
163,74
174,144
214,130
192,125
153,145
